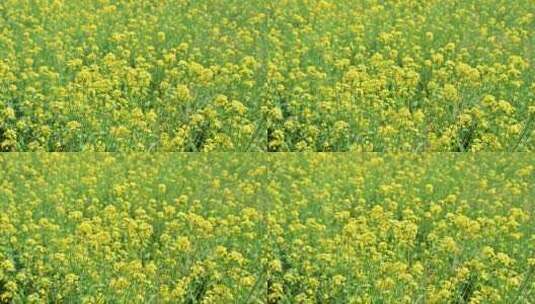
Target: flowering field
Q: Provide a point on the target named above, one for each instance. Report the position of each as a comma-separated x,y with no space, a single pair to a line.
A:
402,75
289,75
127,75
258,228
140,228
409,228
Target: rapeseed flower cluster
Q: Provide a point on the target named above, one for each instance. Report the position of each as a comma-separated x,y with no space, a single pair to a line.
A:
267,76
407,228
267,228
101,228
131,76
401,76
289,75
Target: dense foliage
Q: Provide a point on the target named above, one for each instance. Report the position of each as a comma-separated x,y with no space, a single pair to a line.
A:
289,75
246,228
